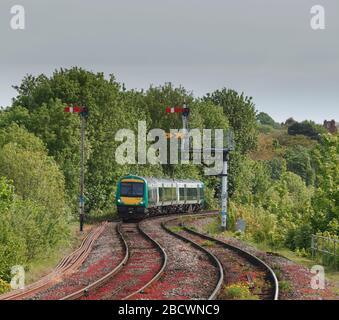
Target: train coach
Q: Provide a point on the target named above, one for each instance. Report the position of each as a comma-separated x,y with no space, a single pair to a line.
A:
140,197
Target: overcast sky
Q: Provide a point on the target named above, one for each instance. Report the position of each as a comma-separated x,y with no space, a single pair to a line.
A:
265,48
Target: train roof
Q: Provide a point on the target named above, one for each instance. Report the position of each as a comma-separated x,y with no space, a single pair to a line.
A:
155,180
166,180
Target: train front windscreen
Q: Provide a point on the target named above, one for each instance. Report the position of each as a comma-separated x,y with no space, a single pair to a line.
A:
131,189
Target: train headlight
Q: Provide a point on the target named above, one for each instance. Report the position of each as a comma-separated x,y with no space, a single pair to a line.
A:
119,201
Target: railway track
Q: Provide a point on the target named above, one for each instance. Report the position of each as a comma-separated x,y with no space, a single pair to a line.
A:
102,280
144,263
191,272
175,264
212,257
134,277
122,282
238,264
67,265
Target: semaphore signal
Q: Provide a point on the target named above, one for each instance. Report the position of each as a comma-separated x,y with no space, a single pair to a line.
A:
225,151
83,112
76,109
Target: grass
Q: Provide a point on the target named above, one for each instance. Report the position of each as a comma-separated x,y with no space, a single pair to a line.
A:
214,227
330,273
175,228
285,286
207,243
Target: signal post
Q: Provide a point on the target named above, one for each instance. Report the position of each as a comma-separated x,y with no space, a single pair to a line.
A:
83,111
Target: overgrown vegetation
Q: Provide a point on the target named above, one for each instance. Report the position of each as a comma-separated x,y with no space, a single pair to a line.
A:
33,210
239,291
291,194
284,184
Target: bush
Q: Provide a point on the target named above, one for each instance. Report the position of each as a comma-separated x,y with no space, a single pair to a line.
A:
239,291
4,286
261,226
27,232
300,237
266,129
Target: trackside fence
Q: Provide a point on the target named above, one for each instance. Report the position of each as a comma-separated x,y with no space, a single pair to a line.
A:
326,250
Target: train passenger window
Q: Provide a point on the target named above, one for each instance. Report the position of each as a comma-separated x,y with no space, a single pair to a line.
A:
168,194
181,194
152,197
191,194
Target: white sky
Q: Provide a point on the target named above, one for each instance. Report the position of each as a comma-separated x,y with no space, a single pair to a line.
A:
265,48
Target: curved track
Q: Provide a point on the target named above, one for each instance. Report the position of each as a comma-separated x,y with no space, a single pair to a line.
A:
226,252
159,265
191,272
214,260
68,264
146,261
91,287
136,272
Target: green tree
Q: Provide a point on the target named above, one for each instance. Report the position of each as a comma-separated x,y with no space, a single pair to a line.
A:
277,167
251,181
35,176
241,114
265,119
325,201
306,128
298,160
33,211
111,108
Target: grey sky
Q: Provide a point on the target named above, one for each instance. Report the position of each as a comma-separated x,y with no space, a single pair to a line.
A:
265,48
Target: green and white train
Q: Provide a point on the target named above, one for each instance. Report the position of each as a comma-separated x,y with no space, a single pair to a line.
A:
140,197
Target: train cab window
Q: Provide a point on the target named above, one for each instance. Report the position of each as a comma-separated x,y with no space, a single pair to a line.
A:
131,189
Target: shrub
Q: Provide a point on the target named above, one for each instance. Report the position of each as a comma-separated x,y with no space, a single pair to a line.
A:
239,291
285,286
208,243
4,286
299,237
261,226
33,211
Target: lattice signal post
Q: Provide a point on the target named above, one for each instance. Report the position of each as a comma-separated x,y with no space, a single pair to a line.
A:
225,153
83,111
224,177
